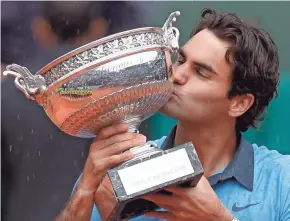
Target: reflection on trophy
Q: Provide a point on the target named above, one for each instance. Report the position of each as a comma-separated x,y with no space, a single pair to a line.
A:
120,78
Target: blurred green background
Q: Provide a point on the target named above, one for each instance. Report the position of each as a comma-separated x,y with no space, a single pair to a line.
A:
274,17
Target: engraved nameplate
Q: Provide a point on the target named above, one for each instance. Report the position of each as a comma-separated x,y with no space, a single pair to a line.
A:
156,171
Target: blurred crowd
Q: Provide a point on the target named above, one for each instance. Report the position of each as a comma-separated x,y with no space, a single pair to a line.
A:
40,163
33,33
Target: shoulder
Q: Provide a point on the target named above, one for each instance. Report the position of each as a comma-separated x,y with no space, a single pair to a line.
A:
272,165
272,175
270,158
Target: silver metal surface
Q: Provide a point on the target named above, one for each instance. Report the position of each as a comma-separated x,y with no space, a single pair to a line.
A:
120,78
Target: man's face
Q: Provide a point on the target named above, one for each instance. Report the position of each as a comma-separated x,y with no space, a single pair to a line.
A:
202,79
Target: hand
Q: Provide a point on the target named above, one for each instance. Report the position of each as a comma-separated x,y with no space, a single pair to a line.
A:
189,204
108,150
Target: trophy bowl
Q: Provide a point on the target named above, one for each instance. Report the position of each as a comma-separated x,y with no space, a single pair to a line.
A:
120,78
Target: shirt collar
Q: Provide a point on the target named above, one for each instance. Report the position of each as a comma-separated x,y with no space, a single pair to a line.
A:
240,168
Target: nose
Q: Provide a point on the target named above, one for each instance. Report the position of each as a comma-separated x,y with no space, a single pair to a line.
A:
179,75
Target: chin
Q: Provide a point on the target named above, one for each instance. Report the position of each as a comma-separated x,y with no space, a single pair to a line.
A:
169,111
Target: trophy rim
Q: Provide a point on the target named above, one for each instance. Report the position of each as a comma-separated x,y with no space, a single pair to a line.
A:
99,62
95,43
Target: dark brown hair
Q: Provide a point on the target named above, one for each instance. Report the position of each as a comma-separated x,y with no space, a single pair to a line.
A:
254,60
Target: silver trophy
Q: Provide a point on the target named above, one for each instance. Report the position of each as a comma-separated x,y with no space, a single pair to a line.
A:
119,78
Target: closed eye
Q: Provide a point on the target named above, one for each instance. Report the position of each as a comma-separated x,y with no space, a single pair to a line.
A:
201,73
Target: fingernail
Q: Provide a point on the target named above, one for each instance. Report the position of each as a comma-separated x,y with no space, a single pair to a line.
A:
129,154
142,138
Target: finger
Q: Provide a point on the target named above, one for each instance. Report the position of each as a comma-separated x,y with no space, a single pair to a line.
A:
164,201
118,148
123,137
184,191
179,191
115,160
156,197
162,215
111,130
102,165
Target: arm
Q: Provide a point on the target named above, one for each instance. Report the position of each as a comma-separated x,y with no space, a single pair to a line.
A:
108,150
80,205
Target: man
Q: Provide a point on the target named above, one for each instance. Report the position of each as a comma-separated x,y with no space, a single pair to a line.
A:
224,78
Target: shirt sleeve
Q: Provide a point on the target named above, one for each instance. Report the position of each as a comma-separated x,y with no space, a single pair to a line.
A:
286,211
285,194
96,217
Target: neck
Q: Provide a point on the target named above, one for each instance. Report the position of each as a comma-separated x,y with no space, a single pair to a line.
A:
214,144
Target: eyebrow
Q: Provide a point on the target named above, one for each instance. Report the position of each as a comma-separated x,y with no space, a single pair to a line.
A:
206,67
200,64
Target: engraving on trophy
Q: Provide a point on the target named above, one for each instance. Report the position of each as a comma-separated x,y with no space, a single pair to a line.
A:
119,64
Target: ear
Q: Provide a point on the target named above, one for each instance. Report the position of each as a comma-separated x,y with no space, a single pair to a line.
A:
240,104
43,33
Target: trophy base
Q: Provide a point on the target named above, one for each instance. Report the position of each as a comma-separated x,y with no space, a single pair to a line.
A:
151,173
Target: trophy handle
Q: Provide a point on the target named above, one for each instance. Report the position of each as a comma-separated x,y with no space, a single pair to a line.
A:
29,84
171,34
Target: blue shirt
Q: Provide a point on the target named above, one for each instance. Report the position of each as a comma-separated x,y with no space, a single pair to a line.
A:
254,186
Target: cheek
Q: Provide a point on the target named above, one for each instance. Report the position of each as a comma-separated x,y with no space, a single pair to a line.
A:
206,89
207,95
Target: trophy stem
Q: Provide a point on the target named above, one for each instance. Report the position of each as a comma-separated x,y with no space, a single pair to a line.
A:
133,122
145,150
